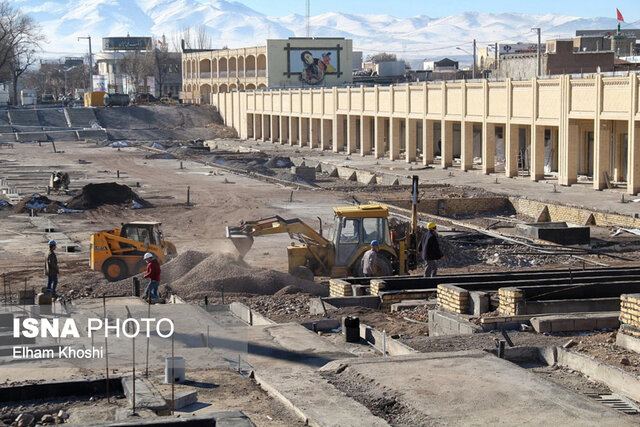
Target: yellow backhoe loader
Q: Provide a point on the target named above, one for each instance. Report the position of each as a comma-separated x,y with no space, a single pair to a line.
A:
118,253
354,229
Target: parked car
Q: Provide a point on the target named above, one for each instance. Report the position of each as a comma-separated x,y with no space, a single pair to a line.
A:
167,100
48,98
145,97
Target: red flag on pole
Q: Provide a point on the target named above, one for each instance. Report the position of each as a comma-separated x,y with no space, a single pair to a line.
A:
620,18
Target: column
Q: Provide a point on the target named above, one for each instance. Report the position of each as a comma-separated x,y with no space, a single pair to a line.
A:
351,134
257,126
394,138
284,129
338,134
378,137
568,154
265,127
537,152
315,133
633,159
366,141
411,133
275,128
488,148
511,150
427,141
446,144
466,146
601,152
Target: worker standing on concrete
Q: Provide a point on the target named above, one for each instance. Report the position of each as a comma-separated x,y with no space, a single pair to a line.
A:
370,261
429,248
51,269
153,274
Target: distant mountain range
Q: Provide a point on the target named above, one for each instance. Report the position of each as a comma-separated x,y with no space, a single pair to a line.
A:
233,24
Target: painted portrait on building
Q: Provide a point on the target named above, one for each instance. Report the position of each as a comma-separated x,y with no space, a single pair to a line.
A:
313,64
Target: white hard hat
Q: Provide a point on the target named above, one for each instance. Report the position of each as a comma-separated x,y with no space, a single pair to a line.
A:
148,255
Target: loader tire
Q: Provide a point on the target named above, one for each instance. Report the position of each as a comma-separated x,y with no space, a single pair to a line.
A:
302,272
114,269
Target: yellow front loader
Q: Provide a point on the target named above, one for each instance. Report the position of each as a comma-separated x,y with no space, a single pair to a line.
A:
354,229
118,253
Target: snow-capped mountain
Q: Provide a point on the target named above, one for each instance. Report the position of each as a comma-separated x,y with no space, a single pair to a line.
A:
233,24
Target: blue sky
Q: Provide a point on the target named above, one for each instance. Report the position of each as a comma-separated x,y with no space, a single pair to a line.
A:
587,8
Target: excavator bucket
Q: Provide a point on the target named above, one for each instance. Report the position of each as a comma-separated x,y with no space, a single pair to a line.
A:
241,239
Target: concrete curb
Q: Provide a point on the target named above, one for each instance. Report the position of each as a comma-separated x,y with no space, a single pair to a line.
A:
248,315
273,392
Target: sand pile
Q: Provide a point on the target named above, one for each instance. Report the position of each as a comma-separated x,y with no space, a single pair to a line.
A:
224,270
110,193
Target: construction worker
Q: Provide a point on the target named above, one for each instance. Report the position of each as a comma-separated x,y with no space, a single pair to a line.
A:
370,261
153,274
51,269
429,248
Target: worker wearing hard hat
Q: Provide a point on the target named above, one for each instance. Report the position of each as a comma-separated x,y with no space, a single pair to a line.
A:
429,248
153,274
51,269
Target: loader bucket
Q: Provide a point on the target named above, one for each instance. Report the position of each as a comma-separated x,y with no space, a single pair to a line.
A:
241,240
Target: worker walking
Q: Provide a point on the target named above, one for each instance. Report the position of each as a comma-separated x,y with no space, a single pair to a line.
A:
371,265
429,248
51,269
153,274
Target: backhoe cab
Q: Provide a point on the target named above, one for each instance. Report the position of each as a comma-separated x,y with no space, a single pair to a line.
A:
118,253
354,229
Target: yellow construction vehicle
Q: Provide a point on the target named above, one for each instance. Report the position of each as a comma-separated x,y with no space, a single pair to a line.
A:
354,229
118,253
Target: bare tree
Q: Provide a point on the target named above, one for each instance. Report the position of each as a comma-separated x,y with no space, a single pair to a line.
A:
20,38
137,65
382,57
193,39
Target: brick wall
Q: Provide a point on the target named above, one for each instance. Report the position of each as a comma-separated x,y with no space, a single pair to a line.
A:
458,206
509,299
339,288
575,215
375,286
453,298
630,313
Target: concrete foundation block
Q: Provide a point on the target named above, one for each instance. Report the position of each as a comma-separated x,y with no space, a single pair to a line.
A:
347,174
575,322
366,178
146,395
298,161
628,342
183,398
305,173
407,305
330,170
478,302
388,180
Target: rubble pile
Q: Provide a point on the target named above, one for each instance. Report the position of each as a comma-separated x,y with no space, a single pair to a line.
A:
109,193
37,203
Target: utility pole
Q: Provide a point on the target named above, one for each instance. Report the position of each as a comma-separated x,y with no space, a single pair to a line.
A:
473,72
90,64
495,53
539,70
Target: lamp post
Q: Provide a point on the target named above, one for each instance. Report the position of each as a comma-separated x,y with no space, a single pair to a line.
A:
473,70
90,64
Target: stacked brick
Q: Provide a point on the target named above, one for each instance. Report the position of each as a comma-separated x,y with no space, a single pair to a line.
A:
453,298
392,297
509,300
630,313
339,288
376,286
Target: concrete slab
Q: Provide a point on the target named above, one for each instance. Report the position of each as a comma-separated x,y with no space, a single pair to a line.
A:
182,399
286,359
576,322
147,397
81,117
408,304
473,388
628,342
53,117
24,117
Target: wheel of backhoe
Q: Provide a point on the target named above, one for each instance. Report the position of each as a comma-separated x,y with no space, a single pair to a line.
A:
303,272
114,269
140,267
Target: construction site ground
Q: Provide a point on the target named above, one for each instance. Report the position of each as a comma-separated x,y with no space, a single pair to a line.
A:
223,194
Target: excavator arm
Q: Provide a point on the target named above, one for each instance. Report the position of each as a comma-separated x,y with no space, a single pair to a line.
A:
242,236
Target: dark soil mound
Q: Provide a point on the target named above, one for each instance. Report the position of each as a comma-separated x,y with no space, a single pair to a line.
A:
110,193
279,162
38,203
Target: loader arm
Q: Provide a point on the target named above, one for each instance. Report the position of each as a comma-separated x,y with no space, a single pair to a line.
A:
242,236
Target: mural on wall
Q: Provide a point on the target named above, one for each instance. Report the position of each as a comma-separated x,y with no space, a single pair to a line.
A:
312,65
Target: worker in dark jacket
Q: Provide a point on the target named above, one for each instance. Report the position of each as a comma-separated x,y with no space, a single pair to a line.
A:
153,274
51,269
429,248
371,264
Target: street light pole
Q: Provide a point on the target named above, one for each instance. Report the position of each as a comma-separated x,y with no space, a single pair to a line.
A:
90,64
473,72
539,70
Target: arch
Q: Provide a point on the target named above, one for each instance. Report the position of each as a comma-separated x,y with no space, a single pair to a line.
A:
222,67
205,68
187,66
250,66
262,86
241,87
241,66
223,88
205,94
262,65
233,66
250,86
194,68
233,87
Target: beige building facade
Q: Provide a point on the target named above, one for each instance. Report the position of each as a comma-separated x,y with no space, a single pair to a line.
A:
293,62
571,129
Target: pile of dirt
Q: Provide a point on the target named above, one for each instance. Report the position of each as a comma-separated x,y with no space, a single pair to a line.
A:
279,162
109,193
38,203
223,271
